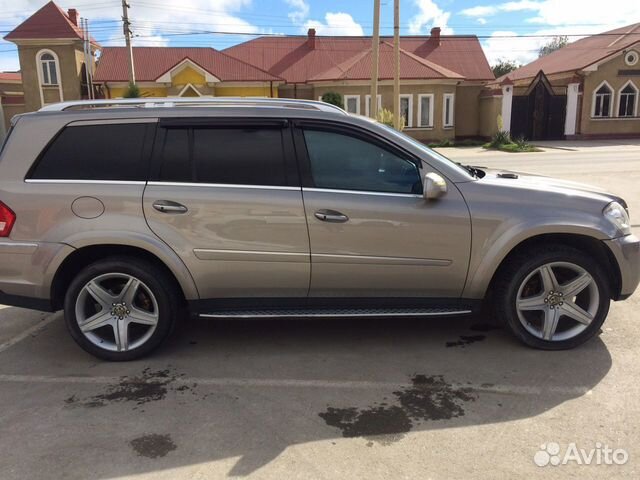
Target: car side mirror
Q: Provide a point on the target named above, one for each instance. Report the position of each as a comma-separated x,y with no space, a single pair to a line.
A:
434,186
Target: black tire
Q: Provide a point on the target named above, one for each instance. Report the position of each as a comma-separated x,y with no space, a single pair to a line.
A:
523,263
158,282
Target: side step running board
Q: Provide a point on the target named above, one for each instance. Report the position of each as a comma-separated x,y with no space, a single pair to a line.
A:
337,312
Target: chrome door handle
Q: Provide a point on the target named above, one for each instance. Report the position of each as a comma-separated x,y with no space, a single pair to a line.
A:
167,206
331,216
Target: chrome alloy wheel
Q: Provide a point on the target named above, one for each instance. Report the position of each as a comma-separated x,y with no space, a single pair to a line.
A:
117,312
557,301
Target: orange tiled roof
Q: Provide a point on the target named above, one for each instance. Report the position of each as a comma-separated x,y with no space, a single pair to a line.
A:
151,62
300,59
10,77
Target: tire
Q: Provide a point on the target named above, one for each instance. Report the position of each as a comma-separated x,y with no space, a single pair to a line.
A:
114,318
530,310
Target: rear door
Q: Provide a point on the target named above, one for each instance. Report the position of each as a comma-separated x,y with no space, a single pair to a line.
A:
226,197
372,233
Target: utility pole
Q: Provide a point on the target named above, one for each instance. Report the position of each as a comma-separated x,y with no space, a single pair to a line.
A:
126,24
375,50
88,57
396,62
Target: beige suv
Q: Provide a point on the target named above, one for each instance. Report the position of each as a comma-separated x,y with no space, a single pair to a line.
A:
124,212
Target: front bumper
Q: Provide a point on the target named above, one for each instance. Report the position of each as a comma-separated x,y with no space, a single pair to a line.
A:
626,251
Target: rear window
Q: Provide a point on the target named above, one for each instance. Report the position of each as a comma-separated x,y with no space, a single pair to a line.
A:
95,152
224,155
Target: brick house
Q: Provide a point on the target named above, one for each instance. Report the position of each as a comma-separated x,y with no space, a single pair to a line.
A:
588,89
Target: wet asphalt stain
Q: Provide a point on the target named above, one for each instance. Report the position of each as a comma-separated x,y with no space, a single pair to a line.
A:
428,398
466,340
153,445
150,386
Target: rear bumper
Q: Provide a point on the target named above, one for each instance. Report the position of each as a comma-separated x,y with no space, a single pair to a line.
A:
27,270
626,251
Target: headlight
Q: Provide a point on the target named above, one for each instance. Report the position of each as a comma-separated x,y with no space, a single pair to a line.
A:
618,216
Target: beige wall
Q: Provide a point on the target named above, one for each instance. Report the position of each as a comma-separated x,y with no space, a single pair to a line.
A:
467,117
609,72
437,132
70,59
490,108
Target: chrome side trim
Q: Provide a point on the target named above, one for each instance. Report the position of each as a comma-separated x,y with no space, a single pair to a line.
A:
371,260
360,192
335,315
250,256
18,248
88,182
222,185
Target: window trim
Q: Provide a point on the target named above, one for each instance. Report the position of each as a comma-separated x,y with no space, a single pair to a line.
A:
635,102
594,97
304,161
410,113
346,103
445,97
635,54
432,100
41,83
367,104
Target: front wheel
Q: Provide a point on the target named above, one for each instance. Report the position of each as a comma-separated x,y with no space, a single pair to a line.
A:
120,308
553,298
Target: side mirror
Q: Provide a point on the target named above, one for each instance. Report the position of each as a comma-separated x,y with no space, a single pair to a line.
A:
434,186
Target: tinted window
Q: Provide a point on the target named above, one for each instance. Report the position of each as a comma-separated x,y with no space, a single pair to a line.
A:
240,156
347,163
95,152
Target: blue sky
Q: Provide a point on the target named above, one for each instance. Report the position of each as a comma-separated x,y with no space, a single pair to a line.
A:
172,22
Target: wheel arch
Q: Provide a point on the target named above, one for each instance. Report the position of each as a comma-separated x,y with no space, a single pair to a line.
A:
88,254
584,242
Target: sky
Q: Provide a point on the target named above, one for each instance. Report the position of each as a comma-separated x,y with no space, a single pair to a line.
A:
512,30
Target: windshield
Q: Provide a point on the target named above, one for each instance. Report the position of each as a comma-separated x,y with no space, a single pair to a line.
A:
431,153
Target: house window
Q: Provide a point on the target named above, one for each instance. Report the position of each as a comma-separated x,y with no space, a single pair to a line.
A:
352,103
631,58
425,110
48,69
447,110
602,101
406,109
367,104
627,101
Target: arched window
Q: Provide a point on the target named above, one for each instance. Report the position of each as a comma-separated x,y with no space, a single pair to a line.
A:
48,68
628,100
602,101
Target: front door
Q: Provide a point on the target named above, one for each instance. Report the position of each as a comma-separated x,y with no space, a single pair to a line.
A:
372,233
226,198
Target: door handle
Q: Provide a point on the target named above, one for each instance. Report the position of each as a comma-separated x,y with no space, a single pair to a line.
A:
167,206
331,216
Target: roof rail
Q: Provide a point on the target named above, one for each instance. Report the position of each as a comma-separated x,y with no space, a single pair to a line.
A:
157,102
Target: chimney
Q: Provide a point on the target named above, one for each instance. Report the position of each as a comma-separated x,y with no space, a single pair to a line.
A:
311,34
73,16
435,35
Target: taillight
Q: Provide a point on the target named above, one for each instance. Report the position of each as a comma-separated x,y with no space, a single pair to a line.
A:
7,219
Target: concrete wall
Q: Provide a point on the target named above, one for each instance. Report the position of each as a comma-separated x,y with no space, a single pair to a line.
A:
615,125
490,108
435,133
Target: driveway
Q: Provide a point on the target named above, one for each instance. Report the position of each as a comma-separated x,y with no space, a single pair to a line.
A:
289,399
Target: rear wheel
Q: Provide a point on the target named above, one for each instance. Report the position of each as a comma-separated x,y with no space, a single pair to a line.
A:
554,297
120,308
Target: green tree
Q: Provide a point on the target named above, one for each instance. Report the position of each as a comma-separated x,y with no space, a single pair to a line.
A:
132,91
554,44
334,98
504,66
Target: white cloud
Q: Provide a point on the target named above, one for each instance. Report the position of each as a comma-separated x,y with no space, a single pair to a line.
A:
300,10
337,23
430,15
481,21
479,11
487,10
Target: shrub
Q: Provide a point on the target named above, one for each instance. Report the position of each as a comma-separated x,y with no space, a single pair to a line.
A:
132,91
334,98
501,137
386,116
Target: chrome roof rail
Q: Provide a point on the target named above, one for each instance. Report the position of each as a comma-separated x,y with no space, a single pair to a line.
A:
160,102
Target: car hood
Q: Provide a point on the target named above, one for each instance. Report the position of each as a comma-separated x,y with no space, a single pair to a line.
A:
544,183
